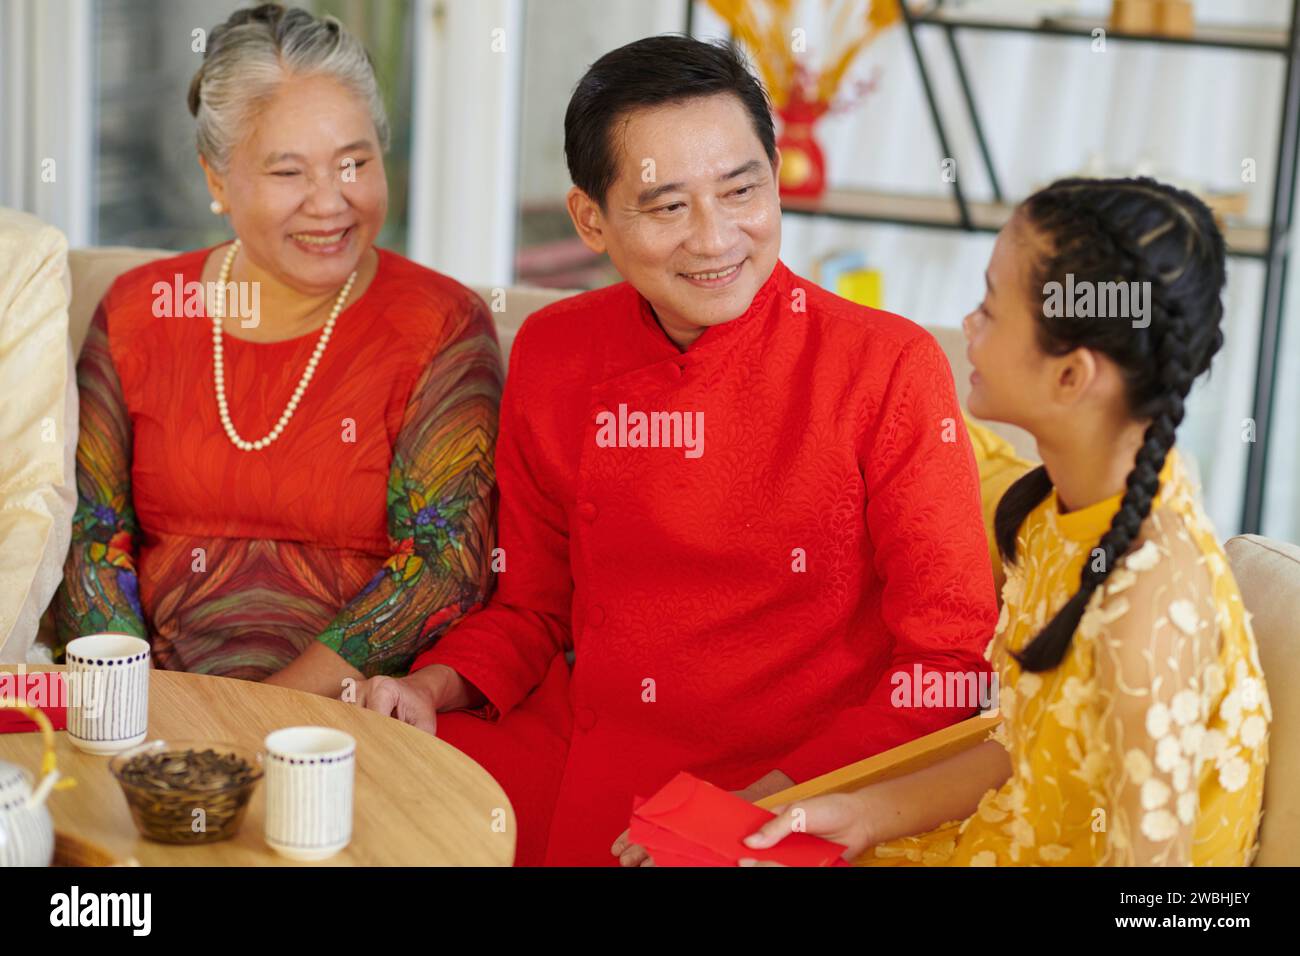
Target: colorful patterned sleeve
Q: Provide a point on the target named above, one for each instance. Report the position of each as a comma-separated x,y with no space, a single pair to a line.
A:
441,506
100,590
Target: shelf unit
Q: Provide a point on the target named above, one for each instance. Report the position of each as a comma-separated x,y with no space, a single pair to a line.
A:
1264,242
944,212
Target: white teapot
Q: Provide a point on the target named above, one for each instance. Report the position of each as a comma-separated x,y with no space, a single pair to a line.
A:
26,830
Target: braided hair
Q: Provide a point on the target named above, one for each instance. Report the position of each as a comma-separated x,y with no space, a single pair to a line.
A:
1121,230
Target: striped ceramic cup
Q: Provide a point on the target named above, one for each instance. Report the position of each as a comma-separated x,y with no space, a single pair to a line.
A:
309,773
108,692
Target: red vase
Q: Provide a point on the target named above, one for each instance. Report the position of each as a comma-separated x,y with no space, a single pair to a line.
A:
803,165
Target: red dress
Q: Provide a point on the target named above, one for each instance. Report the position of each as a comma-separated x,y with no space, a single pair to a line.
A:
734,611
367,526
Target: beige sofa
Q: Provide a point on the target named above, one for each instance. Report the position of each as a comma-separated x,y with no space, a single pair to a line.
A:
38,427
1267,571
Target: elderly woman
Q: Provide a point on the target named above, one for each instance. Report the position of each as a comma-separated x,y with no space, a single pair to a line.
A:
298,486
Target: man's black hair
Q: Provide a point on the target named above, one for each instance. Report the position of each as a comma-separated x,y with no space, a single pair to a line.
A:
651,72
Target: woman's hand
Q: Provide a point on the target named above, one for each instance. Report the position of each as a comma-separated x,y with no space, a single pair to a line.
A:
317,670
843,818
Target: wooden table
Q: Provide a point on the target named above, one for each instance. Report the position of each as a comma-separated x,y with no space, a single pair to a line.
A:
418,801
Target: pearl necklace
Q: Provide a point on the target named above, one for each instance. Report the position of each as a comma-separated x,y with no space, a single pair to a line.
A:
218,313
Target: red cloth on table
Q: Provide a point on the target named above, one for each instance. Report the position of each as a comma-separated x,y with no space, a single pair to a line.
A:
44,690
731,613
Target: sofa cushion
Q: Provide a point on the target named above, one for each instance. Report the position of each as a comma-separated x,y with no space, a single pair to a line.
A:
1268,573
93,271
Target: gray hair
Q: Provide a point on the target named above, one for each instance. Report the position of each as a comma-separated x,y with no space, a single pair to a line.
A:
250,54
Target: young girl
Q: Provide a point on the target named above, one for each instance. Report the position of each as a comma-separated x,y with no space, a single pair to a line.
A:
1134,714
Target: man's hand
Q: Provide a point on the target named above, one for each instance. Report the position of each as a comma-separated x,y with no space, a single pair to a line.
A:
839,817
633,854
629,853
413,699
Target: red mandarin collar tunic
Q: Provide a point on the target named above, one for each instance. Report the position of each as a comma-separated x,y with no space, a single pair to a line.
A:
731,613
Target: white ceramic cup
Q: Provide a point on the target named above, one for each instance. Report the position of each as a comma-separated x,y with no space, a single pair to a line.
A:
108,692
26,831
309,774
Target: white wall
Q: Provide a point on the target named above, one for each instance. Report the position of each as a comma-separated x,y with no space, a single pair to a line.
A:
463,171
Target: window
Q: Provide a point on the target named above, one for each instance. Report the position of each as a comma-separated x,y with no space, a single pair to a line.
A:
149,190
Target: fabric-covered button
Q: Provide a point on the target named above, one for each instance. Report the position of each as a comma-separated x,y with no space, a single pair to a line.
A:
585,718
586,511
596,616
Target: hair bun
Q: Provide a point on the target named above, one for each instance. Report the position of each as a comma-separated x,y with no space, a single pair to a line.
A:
192,98
266,13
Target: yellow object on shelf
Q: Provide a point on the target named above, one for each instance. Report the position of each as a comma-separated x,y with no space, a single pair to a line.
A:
1161,17
863,286
1174,18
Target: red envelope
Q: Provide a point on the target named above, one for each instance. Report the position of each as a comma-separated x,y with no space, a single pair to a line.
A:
693,823
669,849
44,690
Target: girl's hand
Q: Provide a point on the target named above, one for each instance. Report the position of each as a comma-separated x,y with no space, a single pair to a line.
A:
632,854
839,817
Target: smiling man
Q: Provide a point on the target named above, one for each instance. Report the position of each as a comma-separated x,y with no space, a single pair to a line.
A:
738,613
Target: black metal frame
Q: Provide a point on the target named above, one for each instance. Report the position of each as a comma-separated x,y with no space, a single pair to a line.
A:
1276,253
1275,269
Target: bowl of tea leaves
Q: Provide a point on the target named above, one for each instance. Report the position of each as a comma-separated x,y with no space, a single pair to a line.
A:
187,791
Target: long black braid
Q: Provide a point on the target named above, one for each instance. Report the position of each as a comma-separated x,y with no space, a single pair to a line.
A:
1122,230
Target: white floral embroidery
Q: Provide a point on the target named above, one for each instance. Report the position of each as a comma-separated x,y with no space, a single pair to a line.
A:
1121,579
1074,695
988,811
1112,611
1185,707
1213,744
1007,701
1014,587
1053,852
1144,558
1214,680
1182,775
1159,825
984,858
1216,565
1184,616
1137,765
1029,684
1252,693
1040,615
1021,832
1233,774
1230,710
1168,753
1154,794
1253,730
1157,720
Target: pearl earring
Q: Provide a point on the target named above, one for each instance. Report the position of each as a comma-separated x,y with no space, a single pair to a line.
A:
216,207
